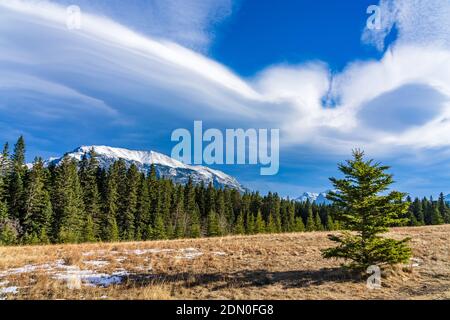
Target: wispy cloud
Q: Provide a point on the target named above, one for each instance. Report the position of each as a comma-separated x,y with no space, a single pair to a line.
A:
109,65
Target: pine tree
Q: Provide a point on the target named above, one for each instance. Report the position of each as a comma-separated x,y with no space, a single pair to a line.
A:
310,222
68,203
367,213
127,231
330,223
418,212
38,210
436,217
272,226
16,187
109,228
143,218
318,222
195,228
250,226
299,225
213,225
159,230
5,173
240,227
443,209
180,214
89,168
260,226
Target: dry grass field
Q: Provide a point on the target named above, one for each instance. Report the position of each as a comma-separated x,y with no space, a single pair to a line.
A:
284,266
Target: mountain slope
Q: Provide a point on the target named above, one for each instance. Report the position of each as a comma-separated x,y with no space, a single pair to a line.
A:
165,166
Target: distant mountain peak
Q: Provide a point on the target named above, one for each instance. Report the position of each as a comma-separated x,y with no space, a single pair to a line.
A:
312,197
165,166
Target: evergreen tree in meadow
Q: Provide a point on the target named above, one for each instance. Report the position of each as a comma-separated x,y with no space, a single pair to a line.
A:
68,203
310,221
179,214
443,209
250,223
143,217
213,229
38,210
366,210
195,226
260,225
109,228
127,230
16,180
240,226
89,169
272,226
299,225
318,222
436,217
330,223
417,210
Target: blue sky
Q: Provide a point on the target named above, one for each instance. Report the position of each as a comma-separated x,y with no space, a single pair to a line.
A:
137,70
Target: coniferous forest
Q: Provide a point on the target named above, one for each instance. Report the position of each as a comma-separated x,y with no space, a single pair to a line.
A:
77,201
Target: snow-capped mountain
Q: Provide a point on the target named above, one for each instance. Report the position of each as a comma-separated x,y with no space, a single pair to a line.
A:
165,166
317,198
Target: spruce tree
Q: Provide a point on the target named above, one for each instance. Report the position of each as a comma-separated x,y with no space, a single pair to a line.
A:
366,210
272,226
195,228
318,222
418,212
68,203
250,223
213,229
16,187
143,217
436,217
443,209
260,226
38,210
299,225
89,169
109,228
127,230
239,227
310,222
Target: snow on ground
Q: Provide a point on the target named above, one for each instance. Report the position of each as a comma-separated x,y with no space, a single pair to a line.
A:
75,277
96,263
189,253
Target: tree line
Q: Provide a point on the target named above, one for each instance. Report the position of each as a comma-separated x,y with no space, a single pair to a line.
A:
78,201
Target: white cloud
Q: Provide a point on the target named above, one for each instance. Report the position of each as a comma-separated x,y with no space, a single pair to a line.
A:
419,22
187,22
107,62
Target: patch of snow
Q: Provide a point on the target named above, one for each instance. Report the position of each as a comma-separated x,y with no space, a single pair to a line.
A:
74,278
189,253
11,290
96,263
219,253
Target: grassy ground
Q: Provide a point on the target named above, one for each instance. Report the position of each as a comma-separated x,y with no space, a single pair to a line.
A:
285,266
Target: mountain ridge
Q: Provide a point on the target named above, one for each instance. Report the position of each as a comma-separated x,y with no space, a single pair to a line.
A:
165,166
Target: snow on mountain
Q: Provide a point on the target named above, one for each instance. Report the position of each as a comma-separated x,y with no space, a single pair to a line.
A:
317,198
166,167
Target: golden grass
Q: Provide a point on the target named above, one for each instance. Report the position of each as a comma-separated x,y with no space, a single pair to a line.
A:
282,266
